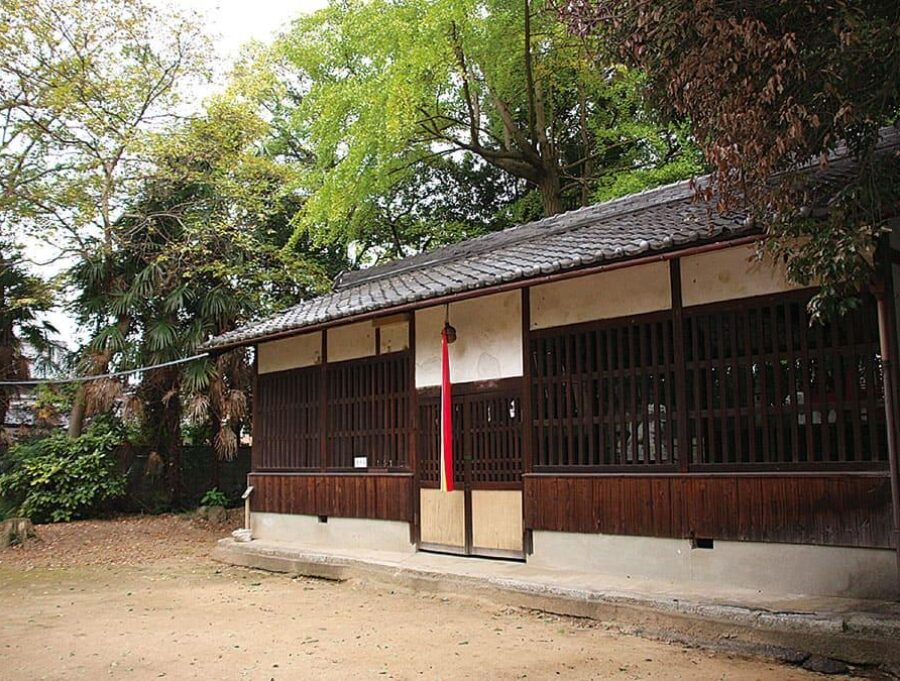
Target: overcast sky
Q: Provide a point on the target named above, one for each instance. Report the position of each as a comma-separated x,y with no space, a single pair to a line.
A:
231,24
234,22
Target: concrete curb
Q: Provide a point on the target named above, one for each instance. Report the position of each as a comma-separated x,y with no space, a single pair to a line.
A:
867,639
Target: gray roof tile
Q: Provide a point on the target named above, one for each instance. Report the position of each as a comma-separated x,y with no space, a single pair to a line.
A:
660,219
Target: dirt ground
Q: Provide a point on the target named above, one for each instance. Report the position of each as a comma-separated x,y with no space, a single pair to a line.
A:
139,598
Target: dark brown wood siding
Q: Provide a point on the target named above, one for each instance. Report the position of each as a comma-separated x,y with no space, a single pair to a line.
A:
385,496
358,408
368,412
827,509
286,423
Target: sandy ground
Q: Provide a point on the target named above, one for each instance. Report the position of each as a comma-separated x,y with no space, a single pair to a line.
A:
139,598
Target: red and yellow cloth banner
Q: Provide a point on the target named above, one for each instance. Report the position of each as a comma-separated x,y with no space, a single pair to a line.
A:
446,416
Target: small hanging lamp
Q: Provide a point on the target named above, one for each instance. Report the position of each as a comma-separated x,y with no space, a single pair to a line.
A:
449,329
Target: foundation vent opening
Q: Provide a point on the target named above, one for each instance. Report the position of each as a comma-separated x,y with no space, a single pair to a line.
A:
323,518
702,543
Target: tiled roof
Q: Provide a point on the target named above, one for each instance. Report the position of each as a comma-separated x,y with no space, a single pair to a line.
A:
662,219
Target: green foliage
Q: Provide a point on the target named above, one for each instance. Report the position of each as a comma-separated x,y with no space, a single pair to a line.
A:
653,164
83,81
58,479
501,82
214,497
23,299
837,250
767,88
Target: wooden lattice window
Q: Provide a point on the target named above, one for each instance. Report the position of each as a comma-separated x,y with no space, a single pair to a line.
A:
603,395
429,442
494,427
368,412
286,424
487,435
765,388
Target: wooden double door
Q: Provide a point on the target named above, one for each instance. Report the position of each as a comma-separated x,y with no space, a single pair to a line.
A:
483,515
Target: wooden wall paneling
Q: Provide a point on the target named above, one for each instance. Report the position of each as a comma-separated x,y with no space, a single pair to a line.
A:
828,509
384,497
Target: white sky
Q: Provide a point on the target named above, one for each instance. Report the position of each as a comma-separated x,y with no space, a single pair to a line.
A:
234,22
231,24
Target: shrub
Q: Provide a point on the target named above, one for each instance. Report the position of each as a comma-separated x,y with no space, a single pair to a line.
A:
214,497
58,478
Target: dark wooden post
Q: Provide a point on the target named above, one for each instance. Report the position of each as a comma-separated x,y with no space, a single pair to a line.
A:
527,461
413,417
683,439
527,418
887,357
323,403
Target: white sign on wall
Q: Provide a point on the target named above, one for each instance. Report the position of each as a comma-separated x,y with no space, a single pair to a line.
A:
360,462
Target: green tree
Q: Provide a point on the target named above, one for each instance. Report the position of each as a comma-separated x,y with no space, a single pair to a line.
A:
500,81
202,251
767,87
81,81
24,336
81,84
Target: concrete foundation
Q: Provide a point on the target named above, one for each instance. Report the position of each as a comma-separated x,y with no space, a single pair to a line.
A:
767,568
336,534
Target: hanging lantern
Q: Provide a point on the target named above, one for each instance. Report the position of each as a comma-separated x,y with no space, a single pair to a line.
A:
450,332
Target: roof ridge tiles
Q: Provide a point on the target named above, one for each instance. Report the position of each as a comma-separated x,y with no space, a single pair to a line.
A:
558,223
614,230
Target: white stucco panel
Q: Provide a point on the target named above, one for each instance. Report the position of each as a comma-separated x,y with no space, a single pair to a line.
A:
606,295
394,337
351,341
488,345
290,353
730,273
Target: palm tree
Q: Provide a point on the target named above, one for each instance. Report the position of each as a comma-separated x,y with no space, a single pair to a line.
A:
24,336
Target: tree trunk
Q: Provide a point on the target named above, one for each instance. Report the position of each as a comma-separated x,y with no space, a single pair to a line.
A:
171,438
214,426
551,193
76,416
7,353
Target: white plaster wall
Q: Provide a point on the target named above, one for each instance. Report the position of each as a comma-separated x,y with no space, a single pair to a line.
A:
730,273
290,353
606,295
770,568
489,340
337,534
351,341
394,337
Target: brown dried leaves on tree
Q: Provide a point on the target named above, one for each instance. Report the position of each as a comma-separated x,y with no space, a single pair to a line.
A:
769,87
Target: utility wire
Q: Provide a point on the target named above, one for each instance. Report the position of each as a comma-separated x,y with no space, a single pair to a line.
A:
94,377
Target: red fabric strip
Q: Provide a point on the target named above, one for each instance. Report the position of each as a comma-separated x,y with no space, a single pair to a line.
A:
446,415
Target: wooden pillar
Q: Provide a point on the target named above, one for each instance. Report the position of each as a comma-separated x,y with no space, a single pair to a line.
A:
413,451
527,413
681,425
323,403
527,445
886,340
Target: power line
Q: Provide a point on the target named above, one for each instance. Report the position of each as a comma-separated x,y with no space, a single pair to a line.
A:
112,374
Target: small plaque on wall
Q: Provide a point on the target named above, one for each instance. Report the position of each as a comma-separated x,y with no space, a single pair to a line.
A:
360,462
